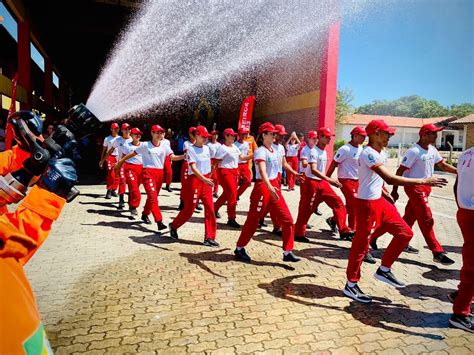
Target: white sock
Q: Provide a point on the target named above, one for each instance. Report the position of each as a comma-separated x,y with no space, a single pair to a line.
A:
384,268
351,284
286,252
239,248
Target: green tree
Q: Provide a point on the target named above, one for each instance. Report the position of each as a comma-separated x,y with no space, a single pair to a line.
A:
344,104
461,110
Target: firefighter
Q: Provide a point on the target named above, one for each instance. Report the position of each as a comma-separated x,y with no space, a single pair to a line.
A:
198,187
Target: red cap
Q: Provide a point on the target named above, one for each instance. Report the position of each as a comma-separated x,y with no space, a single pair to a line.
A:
191,130
244,130
267,127
228,131
281,129
157,128
136,130
312,134
427,128
359,130
214,132
125,126
114,125
325,132
379,125
202,131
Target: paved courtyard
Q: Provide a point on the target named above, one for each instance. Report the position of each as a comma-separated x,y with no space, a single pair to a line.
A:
107,284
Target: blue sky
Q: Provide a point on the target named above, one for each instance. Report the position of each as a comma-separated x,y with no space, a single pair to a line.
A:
399,48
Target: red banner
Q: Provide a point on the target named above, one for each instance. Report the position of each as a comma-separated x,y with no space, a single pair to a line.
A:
9,129
246,111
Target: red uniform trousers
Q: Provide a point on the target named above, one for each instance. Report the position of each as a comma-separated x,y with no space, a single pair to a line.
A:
260,200
198,190
122,181
462,302
112,177
418,209
349,190
293,161
228,178
168,171
133,176
372,214
152,181
314,192
184,177
215,177
245,177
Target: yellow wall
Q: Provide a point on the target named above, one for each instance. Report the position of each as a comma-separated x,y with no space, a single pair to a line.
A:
288,104
6,89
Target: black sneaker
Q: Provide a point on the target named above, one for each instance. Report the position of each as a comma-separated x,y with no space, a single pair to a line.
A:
210,243
356,294
442,258
198,207
146,219
347,236
262,224
181,205
218,215
389,278
133,212
233,223
161,225
309,226
373,244
121,204
215,195
368,258
290,257
242,255
114,193
411,250
173,232
318,212
452,296
277,232
462,322
332,224
302,239
108,195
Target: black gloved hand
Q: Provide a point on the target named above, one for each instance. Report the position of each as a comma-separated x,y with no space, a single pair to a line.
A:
59,177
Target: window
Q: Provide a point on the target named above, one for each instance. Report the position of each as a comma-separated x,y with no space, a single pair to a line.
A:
36,56
8,22
55,80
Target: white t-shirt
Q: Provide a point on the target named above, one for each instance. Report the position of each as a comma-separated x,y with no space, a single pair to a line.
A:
119,143
201,156
348,159
127,149
109,143
213,148
166,141
281,153
420,162
465,190
154,156
292,150
370,183
228,156
318,157
244,150
186,145
272,160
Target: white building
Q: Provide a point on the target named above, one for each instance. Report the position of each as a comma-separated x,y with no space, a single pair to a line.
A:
407,129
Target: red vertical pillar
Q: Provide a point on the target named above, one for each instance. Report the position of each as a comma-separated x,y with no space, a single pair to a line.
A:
24,61
328,83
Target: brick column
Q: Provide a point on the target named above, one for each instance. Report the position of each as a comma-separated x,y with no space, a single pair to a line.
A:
328,83
24,61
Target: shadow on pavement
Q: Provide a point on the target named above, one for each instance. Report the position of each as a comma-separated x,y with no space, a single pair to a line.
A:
424,292
217,256
434,273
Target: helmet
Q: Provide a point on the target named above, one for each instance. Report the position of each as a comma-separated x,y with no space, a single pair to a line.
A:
27,127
